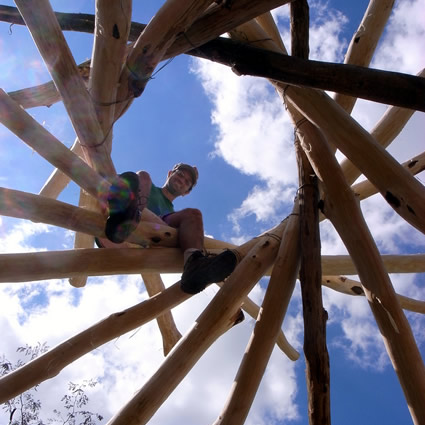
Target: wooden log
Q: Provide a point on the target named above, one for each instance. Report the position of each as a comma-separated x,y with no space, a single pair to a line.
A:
369,84
397,334
58,180
353,287
253,310
268,24
45,94
384,132
314,315
84,240
18,204
109,261
173,18
411,263
263,337
167,326
53,361
399,188
37,137
47,35
217,20
364,42
112,28
208,327
365,189
109,50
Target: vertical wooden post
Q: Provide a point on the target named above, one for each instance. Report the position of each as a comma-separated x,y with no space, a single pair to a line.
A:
315,349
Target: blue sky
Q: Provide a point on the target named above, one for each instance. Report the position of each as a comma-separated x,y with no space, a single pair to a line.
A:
237,133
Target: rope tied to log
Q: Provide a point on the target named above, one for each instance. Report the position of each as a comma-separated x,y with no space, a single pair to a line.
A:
98,145
284,97
137,83
302,187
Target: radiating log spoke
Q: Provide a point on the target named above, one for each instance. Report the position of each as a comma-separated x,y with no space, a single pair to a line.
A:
116,74
45,30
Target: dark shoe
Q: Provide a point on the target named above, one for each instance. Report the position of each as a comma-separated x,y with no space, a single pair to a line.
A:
200,270
123,205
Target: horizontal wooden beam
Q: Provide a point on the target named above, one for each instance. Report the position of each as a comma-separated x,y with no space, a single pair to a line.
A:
386,87
32,266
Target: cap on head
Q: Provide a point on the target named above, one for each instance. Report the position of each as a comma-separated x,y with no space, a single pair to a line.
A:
193,171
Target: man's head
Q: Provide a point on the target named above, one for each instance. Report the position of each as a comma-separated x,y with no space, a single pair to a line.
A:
181,179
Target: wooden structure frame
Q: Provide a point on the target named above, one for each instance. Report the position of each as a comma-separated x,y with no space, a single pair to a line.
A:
286,252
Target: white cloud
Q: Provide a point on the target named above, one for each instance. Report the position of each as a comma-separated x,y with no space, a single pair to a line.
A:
16,240
52,311
402,45
255,136
254,133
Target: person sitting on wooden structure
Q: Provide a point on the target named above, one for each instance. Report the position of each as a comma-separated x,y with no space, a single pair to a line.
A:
131,192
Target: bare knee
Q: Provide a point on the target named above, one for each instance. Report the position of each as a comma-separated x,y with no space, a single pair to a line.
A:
192,214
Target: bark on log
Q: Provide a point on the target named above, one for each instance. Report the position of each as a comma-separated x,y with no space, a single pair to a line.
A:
315,317
395,329
399,188
369,84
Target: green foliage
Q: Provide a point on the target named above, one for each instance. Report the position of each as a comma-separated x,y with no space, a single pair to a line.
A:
25,409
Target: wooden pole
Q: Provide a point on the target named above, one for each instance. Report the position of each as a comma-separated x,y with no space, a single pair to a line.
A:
207,328
48,37
58,180
37,137
33,266
353,287
414,166
167,326
364,42
370,84
399,188
45,94
397,334
53,361
315,316
270,317
384,132
253,310
109,49
14,203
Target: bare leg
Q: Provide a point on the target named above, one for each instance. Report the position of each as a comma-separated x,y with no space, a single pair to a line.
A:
191,228
199,269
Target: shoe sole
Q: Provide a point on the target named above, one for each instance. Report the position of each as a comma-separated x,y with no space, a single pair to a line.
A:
119,225
218,270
